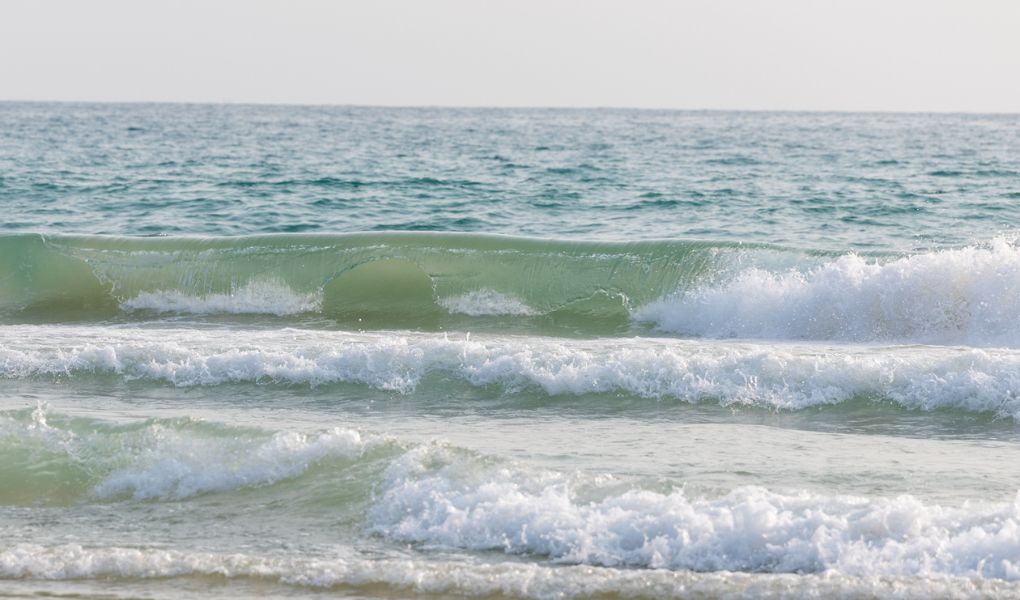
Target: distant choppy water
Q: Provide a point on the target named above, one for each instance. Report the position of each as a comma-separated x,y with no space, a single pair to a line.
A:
833,181
711,354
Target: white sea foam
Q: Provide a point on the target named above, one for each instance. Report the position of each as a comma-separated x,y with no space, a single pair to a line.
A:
172,464
179,459
787,376
486,303
962,296
432,496
444,497
751,541
254,297
510,579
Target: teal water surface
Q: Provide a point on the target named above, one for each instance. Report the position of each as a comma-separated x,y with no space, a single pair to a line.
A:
820,180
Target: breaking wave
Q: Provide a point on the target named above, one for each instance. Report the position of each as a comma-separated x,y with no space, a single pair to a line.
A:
777,376
967,295
443,497
431,498
963,296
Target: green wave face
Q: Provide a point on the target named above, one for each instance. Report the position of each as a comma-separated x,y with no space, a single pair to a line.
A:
40,281
413,280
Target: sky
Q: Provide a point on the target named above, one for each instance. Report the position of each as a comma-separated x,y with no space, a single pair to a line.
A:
888,55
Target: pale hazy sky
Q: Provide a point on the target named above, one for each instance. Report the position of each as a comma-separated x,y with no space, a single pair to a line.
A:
917,55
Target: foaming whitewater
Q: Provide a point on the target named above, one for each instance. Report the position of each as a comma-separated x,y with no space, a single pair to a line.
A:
486,303
167,459
443,577
448,499
434,496
171,465
254,297
961,296
777,376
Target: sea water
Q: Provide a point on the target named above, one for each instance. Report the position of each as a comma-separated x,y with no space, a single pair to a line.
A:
266,350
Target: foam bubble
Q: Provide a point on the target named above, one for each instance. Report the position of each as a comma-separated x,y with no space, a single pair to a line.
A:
254,297
486,303
969,295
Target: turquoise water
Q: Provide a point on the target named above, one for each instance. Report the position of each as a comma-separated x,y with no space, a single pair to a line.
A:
378,352
819,180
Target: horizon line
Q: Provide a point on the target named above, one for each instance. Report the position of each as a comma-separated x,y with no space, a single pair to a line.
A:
510,107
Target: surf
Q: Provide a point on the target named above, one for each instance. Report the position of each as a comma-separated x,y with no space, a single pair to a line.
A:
444,282
437,496
419,280
775,376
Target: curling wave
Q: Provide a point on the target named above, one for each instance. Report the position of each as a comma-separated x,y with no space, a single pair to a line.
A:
965,295
383,280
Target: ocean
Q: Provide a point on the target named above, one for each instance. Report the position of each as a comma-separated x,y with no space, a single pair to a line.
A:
507,353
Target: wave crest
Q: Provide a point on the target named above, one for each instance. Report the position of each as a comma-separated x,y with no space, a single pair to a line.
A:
969,295
160,458
785,376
